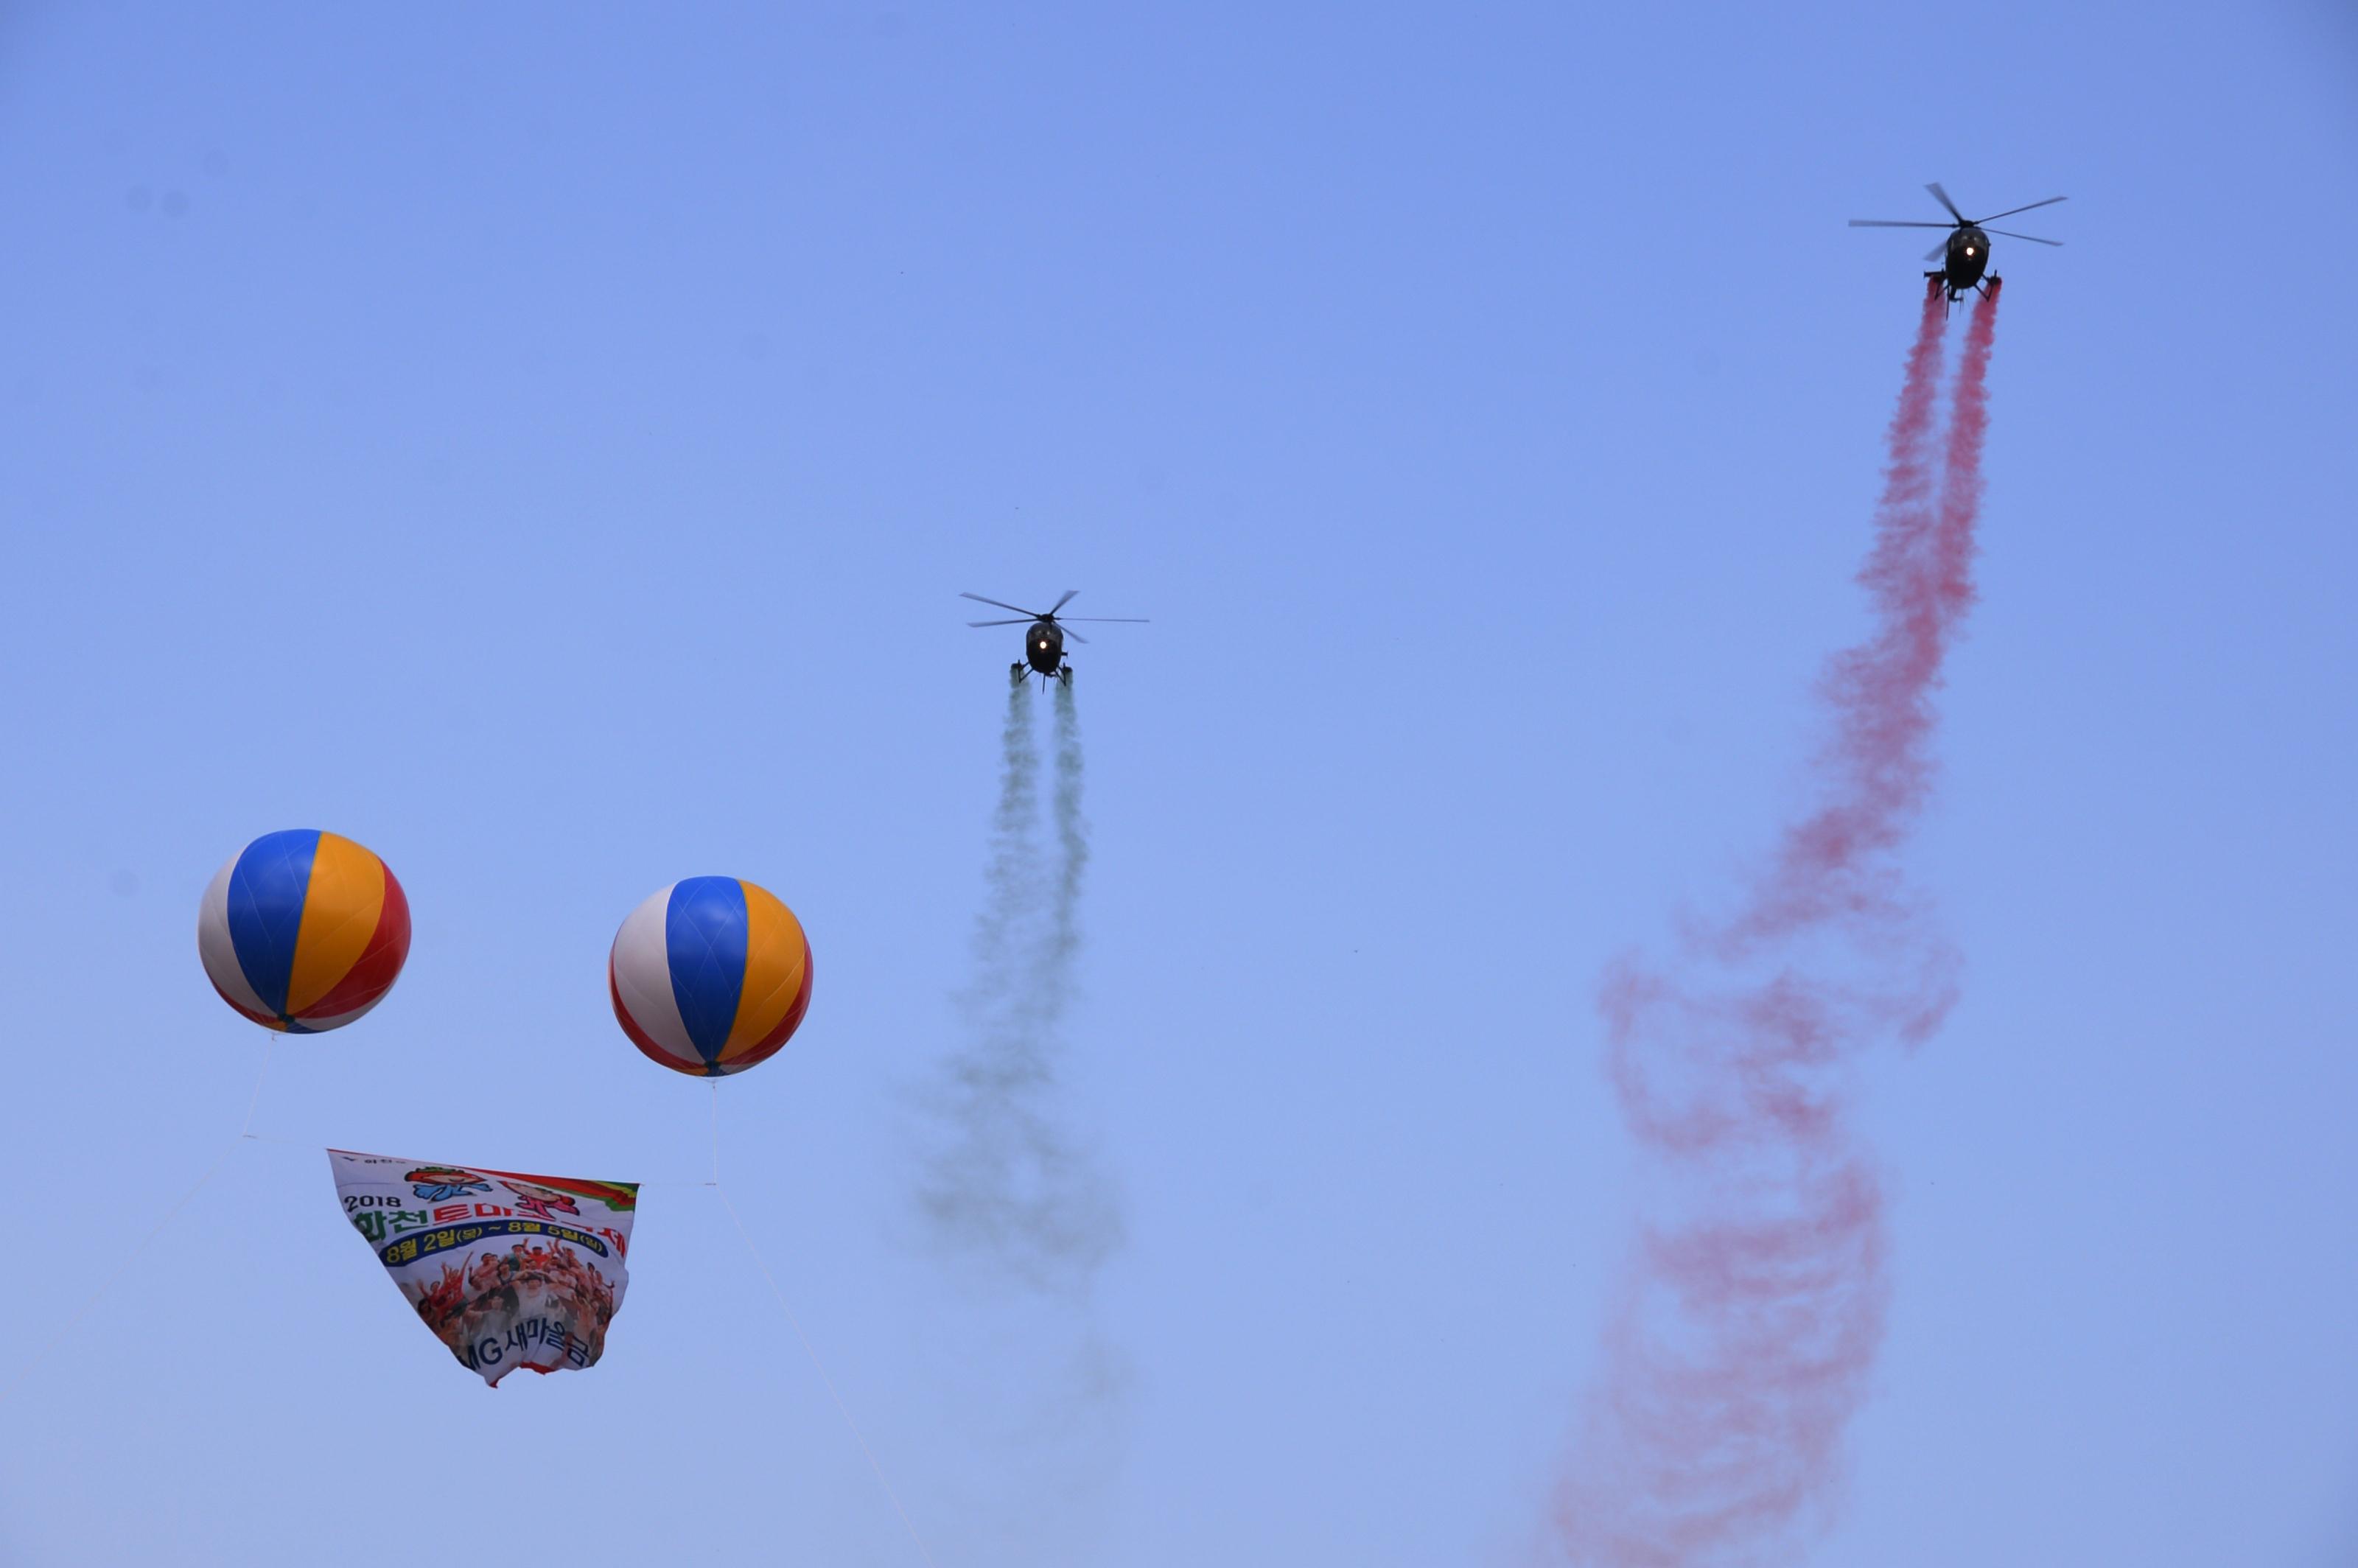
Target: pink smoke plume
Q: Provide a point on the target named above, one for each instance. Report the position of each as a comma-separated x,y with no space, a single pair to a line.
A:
1741,1341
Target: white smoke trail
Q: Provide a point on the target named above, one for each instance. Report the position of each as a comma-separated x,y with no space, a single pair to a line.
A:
1007,1184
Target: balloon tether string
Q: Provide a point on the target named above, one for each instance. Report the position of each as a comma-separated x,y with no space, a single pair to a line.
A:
779,1296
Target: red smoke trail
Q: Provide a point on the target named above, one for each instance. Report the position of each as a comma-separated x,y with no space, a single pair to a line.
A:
1740,1344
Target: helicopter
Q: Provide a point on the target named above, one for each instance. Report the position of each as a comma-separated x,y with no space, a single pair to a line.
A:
1965,255
1044,644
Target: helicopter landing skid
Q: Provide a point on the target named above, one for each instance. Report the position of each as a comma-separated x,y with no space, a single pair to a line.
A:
1986,288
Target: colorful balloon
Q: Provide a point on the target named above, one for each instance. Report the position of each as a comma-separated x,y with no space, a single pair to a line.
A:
710,976
303,931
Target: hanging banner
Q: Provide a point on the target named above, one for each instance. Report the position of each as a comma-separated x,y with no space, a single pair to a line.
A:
508,1271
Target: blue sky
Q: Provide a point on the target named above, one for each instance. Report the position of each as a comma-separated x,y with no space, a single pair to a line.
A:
544,444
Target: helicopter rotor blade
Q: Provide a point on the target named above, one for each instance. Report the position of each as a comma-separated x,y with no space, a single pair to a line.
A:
1126,620
1941,197
2012,211
1063,602
2034,239
1937,252
1894,223
1030,615
1069,631
999,623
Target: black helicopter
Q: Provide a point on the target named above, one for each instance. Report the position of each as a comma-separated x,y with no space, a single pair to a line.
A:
1044,644
1965,255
